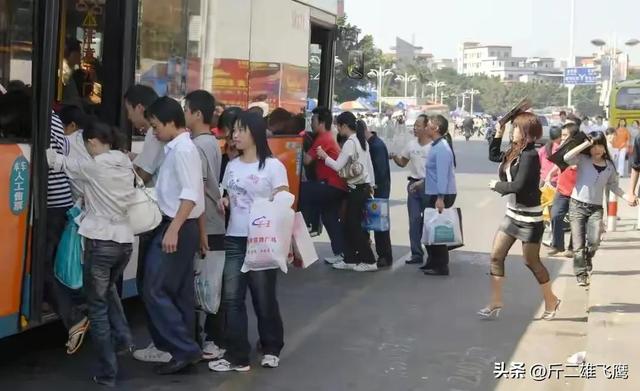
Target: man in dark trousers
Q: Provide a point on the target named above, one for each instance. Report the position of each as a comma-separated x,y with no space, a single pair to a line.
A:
382,172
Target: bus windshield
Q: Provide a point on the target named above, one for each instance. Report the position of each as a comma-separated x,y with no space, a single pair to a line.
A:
628,98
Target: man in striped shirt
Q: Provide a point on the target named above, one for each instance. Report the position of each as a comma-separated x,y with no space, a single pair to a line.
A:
59,199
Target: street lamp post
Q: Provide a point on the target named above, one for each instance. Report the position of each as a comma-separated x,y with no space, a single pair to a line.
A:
442,96
472,93
380,74
406,78
435,84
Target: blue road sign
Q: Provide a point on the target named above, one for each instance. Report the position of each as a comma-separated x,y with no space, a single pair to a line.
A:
580,76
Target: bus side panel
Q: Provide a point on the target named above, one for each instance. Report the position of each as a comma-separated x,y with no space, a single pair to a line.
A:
14,196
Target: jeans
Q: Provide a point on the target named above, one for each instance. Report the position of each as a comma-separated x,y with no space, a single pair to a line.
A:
415,207
169,292
66,302
559,211
144,244
585,232
439,255
104,263
262,285
357,247
321,199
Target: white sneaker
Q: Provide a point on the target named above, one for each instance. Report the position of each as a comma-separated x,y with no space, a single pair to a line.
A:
341,265
334,259
210,351
270,361
152,354
366,267
223,365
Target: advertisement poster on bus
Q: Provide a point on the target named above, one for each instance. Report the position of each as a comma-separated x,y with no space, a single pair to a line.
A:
264,83
293,92
230,81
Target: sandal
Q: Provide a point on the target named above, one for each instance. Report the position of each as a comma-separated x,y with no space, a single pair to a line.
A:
76,335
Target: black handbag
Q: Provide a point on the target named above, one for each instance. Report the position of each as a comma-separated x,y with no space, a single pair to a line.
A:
557,157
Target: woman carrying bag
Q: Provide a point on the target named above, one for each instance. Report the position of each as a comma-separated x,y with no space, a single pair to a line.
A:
595,172
255,174
108,187
440,187
519,174
354,165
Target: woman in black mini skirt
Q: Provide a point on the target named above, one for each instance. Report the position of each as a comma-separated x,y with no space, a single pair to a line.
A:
519,175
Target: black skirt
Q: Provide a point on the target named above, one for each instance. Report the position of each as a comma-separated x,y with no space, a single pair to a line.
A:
525,232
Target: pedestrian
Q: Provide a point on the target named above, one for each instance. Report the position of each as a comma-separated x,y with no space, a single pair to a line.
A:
255,174
382,173
519,174
278,121
226,122
66,302
74,121
546,165
621,142
146,164
108,187
414,155
560,209
599,126
199,111
324,197
440,188
168,290
595,173
358,255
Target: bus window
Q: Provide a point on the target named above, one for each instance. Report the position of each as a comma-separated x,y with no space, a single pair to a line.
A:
16,31
81,42
169,48
628,98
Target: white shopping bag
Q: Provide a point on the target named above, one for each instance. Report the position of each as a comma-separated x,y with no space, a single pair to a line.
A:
442,229
270,231
208,280
304,252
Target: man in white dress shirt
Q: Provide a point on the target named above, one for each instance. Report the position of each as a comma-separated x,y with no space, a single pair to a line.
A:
168,289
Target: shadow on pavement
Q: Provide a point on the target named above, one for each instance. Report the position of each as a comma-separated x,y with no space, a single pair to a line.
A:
617,273
391,330
616,307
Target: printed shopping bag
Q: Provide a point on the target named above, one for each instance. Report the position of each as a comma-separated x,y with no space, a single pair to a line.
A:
442,228
208,280
376,215
304,252
270,231
68,262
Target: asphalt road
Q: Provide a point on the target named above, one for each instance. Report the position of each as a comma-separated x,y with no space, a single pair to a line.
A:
391,330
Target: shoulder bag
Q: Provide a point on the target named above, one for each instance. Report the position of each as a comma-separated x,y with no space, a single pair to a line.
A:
143,211
353,168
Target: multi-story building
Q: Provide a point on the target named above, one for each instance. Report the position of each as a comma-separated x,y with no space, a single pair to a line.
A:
498,61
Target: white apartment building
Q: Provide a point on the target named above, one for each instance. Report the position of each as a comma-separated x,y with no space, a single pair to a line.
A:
498,61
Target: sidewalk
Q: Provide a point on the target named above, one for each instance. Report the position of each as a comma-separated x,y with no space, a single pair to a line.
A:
614,307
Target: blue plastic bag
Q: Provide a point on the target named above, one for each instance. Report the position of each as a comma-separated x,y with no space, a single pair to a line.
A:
376,215
68,263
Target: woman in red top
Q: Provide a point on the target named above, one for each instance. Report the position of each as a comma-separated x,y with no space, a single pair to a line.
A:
552,146
565,184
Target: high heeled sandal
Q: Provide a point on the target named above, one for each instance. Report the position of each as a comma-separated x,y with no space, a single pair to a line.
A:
488,313
548,315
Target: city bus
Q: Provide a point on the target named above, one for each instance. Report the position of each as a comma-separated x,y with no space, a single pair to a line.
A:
243,51
624,102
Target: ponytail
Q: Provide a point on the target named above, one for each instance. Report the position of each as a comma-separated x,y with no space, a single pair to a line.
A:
361,128
447,137
105,134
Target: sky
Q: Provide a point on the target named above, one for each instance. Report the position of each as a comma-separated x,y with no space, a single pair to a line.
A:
532,27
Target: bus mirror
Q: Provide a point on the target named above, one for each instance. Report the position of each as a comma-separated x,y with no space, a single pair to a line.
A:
355,64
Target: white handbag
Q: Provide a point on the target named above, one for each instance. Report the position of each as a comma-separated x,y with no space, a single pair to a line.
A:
144,214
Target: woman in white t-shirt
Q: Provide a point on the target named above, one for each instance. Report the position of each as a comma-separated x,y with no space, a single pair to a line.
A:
253,175
358,255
